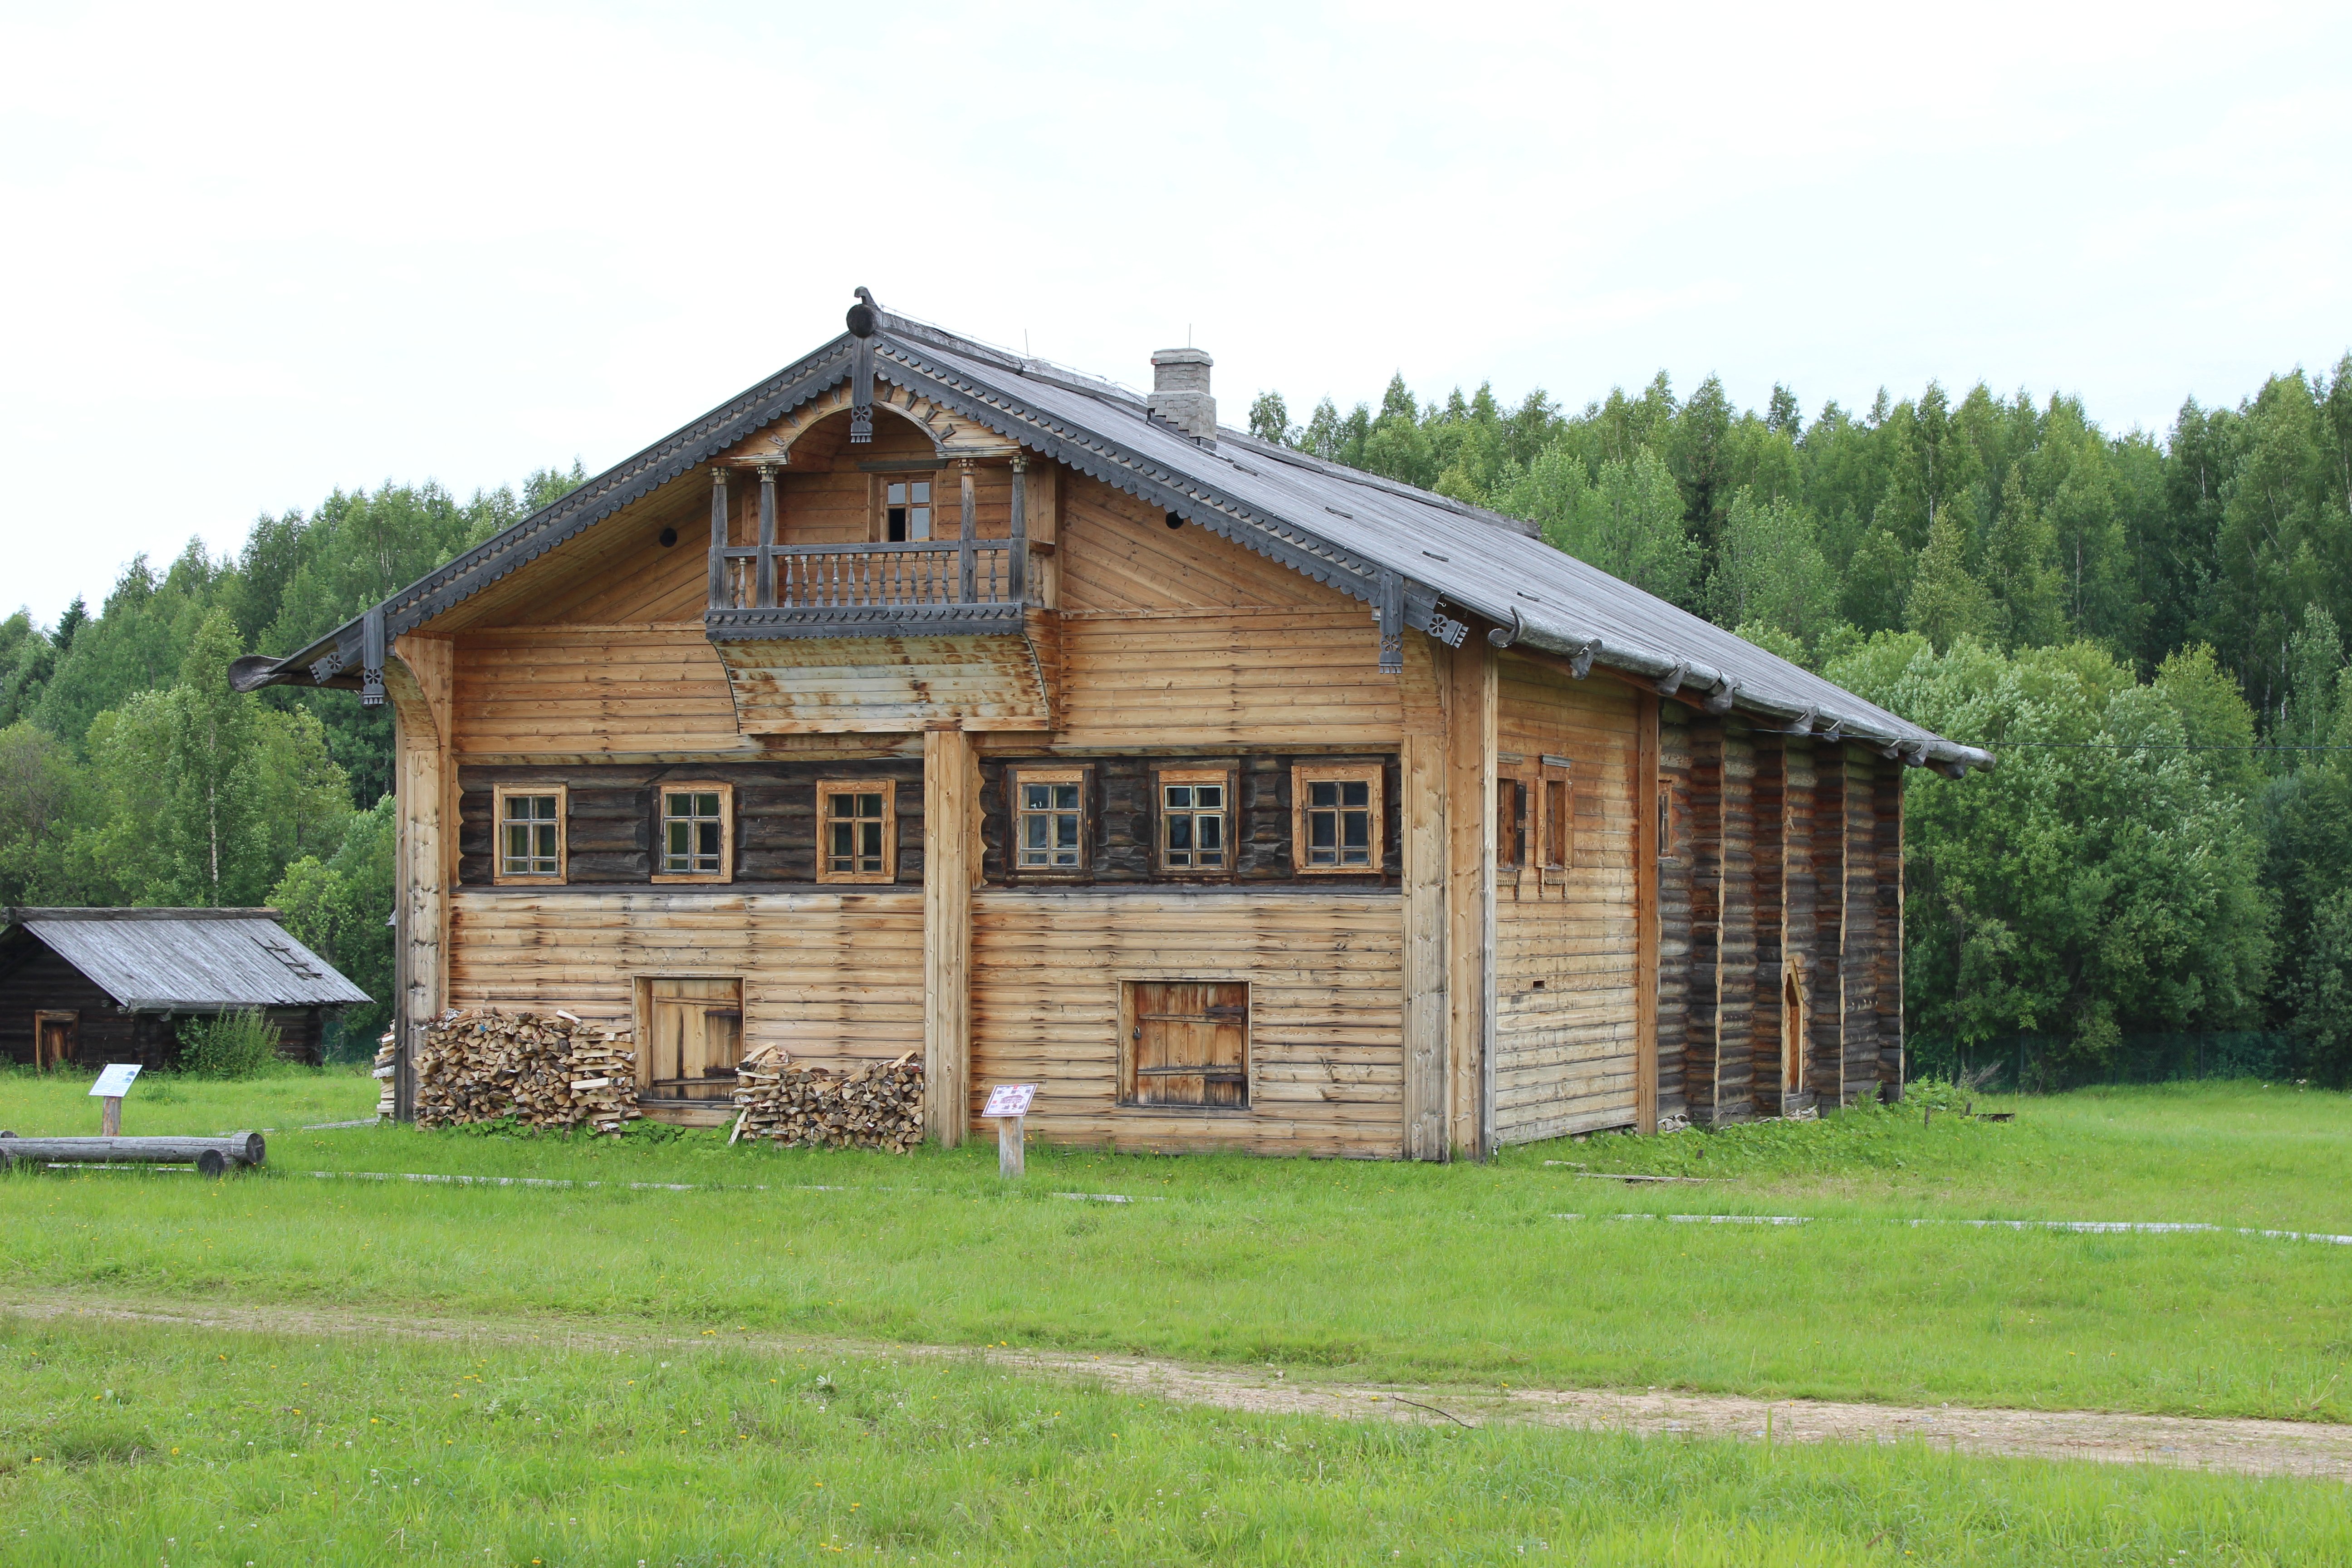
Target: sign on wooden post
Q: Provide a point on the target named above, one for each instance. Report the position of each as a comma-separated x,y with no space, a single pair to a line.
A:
113,1084
1008,1103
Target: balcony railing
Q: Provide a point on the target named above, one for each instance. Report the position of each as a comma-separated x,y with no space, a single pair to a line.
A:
961,587
869,576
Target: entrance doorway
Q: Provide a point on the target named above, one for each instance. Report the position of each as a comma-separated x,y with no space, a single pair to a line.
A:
1793,1037
694,1031
55,1036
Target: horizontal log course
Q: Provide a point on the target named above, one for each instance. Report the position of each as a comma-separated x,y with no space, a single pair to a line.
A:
210,1155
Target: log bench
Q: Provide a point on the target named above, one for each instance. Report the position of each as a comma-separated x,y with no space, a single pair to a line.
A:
210,1156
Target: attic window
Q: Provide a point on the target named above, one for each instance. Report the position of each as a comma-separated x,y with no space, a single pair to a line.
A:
904,504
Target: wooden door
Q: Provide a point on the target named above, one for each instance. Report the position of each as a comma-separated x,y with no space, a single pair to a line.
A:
54,1038
1792,1027
1188,1043
696,1037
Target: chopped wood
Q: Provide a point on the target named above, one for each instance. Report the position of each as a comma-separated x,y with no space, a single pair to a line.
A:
553,1070
386,1065
876,1106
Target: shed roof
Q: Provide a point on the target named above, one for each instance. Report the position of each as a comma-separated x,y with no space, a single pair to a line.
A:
188,961
1355,531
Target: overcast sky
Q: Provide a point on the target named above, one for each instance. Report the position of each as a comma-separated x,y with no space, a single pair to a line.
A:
252,255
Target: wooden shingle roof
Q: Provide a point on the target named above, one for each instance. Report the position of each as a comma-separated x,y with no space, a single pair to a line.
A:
186,960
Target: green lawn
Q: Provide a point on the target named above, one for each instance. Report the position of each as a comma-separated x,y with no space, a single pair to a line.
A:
1456,1274
137,1445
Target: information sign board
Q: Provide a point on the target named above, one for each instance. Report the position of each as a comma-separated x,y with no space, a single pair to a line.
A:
115,1081
1010,1100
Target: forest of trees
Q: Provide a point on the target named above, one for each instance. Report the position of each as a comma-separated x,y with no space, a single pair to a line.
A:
131,774
2147,630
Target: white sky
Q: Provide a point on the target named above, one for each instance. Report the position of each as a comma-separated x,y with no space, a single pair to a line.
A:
252,253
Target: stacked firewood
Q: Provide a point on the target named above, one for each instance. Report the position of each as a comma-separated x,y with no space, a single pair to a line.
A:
387,1063
877,1106
544,1069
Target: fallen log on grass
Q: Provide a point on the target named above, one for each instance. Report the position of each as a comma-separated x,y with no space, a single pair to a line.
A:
210,1155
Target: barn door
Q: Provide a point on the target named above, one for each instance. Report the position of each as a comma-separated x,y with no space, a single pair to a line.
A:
54,1038
697,1037
1188,1043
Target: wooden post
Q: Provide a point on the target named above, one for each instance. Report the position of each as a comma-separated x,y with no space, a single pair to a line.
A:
1470,781
1010,1146
767,580
1016,583
109,1116
1646,914
420,890
964,560
948,800
719,597
1422,773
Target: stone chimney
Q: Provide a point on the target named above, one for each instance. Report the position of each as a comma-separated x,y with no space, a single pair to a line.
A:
1180,393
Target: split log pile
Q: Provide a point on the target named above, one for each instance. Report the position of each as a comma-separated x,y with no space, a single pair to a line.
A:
550,1070
386,1064
877,1106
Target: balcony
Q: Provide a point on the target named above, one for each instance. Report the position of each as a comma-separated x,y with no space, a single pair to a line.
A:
963,587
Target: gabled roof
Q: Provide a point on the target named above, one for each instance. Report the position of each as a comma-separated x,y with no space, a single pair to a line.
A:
187,961
1453,566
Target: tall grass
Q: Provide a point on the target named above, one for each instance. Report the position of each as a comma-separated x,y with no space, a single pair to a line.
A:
136,1446
238,1044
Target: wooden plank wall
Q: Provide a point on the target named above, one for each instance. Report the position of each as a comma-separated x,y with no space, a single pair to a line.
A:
1735,966
1176,637
1767,852
1886,802
834,976
1675,932
1327,1062
1858,951
1801,893
1567,1024
1829,1070
576,690
1701,1061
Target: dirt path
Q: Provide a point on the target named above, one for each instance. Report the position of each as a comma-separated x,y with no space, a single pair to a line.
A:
2247,1448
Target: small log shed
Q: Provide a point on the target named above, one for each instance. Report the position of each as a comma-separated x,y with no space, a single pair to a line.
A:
95,986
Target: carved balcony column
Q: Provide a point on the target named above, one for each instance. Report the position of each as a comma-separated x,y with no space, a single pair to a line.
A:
767,536
1016,586
965,558
719,597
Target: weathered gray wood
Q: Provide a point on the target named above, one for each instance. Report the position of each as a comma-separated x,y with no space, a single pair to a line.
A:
243,1148
964,560
1012,1150
767,569
719,597
1016,587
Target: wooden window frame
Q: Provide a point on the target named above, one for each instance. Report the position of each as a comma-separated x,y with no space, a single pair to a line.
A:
1161,778
1305,774
1510,821
1555,840
502,878
1669,825
878,504
1127,1100
826,790
726,793
1017,774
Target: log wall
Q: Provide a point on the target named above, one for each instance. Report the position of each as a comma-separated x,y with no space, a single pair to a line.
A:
1566,1026
1674,931
1327,1064
834,976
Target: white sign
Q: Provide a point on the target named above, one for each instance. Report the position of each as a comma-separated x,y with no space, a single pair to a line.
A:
1010,1100
115,1081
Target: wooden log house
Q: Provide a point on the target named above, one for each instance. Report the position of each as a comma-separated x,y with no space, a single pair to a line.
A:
927,698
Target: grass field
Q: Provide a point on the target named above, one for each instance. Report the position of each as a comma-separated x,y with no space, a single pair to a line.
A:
147,1445
1461,1275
